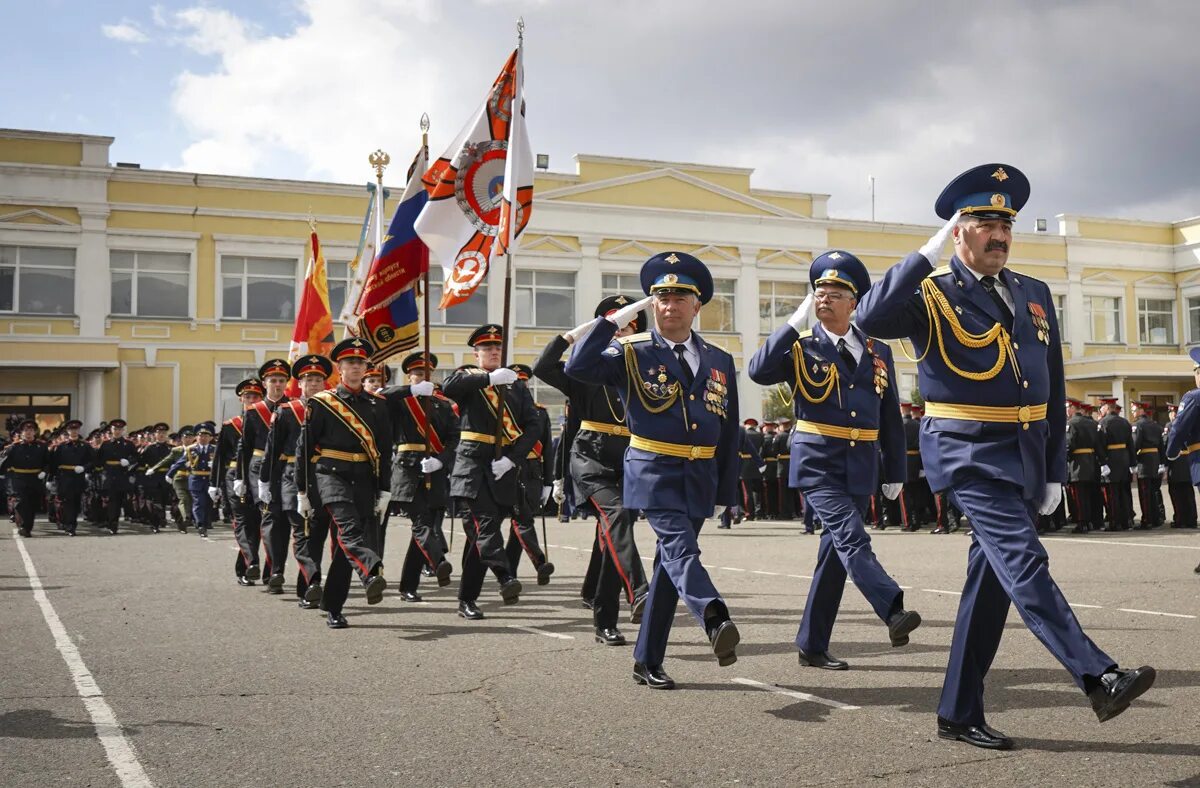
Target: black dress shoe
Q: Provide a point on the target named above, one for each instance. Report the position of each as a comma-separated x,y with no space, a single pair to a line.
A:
410,596
724,638
610,636
443,573
543,573
203,533
304,604
253,572
939,530
639,606
336,621
374,587
1197,569
821,659
1117,689
900,624
983,735
245,581
653,676
469,610
313,593
275,584
723,525
589,604
426,571
510,591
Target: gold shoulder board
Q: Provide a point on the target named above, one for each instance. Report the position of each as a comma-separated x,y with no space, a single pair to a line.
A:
941,271
632,338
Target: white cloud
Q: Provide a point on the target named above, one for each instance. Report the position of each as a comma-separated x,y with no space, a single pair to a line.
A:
126,32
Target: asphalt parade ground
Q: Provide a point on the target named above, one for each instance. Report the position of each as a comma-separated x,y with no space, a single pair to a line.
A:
136,660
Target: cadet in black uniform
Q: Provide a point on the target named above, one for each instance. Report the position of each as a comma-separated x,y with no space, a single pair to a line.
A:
425,430
1085,455
118,457
752,471
156,491
24,462
771,475
1117,438
485,483
345,455
537,470
247,519
251,485
1148,458
69,463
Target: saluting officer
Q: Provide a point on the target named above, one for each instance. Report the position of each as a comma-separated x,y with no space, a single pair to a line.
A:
425,429
252,484
681,405
1085,455
1183,442
156,491
1116,435
484,482
279,471
24,462
118,457
1149,462
1179,478
247,518
198,462
596,457
990,438
345,454
69,462
537,471
847,412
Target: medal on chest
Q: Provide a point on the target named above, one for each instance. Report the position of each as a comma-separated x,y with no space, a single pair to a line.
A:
1037,314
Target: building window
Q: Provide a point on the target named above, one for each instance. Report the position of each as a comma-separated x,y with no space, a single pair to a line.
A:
554,400
717,314
149,284
37,280
227,380
1156,321
1105,314
1193,310
545,299
1060,309
777,301
258,288
337,275
629,285
472,312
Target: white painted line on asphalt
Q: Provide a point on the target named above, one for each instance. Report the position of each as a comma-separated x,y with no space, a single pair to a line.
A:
797,695
939,591
1115,542
536,631
801,577
1154,612
761,572
906,588
731,569
1093,607
117,748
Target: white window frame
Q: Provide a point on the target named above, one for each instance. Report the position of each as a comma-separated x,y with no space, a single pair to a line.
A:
244,246
1187,295
732,295
765,283
217,387
1145,294
297,279
1117,293
18,246
437,317
156,241
133,314
531,320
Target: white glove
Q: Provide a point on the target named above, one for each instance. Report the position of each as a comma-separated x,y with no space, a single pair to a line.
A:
891,490
1162,469
546,491
1105,470
1051,498
934,247
762,468
78,469
502,377
264,492
431,465
921,474
42,475
501,467
381,504
625,314
239,488
422,389
149,471
302,505
214,493
1133,470
124,463
802,318
558,492
578,332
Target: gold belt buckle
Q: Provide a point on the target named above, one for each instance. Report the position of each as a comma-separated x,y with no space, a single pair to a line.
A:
854,433
695,452
1023,414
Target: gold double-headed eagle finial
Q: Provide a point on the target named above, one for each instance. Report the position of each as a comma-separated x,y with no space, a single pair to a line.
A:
379,160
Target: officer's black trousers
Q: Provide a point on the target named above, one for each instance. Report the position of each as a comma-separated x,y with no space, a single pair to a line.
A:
483,548
1149,491
1083,496
1183,501
621,570
424,548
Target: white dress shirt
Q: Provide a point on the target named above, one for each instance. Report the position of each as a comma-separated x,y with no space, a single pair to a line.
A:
1001,288
853,344
690,353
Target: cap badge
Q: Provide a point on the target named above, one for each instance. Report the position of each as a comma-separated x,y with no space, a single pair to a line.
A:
835,256
622,300
672,258
670,279
997,200
1000,174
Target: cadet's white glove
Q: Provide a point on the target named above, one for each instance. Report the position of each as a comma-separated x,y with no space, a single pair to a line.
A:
214,493
1133,470
762,468
558,492
625,315
42,475
124,463
1105,471
303,507
546,491
431,465
78,469
264,492
149,471
422,389
934,247
1162,470
1051,498
578,332
239,488
891,490
501,467
802,318
381,504
921,474
502,377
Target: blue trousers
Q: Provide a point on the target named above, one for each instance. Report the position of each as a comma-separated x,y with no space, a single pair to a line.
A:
1006,562
202,505
845,549
677,575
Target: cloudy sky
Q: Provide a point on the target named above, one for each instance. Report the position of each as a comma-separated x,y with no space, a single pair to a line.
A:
1096,101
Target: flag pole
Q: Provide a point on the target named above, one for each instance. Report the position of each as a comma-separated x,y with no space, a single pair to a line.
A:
378,160
425,306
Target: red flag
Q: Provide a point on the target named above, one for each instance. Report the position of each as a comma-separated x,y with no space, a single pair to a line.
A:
313,332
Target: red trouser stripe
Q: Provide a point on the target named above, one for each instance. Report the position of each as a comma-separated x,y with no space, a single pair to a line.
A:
338,527
606,531
512,523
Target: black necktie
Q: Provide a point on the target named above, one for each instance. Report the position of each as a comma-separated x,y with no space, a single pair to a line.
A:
989,284
847,356
689,377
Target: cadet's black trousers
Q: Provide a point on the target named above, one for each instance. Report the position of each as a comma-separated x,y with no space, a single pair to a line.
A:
424,548
483,548
620,565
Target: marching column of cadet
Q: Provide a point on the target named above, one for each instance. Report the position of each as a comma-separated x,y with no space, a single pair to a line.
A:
652,430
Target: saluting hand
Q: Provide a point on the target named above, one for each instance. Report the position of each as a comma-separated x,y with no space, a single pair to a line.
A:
802,318
934,247
623,316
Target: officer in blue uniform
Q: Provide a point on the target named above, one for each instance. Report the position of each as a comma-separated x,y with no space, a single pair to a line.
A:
1183,438
847,413
197,463
990,362
681,404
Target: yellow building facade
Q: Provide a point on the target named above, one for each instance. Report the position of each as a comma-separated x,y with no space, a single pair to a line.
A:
148,294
